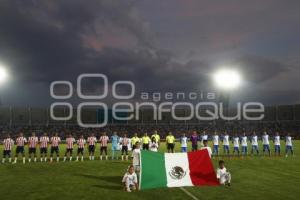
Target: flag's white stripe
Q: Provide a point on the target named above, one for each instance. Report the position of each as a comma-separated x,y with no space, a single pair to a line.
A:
181,160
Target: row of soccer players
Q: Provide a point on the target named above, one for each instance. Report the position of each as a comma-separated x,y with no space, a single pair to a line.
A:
44,141
125,144
118,143
242,141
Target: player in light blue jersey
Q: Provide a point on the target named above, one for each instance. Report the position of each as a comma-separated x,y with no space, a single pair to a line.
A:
114,144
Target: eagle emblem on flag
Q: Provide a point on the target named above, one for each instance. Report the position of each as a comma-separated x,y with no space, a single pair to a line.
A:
177,173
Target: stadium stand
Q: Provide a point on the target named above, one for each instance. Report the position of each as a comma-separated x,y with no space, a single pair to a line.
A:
283,118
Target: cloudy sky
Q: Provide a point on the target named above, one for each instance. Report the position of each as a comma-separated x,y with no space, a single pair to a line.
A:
171,45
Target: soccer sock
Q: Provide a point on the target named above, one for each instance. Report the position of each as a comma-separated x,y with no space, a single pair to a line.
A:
81,158
29,159
3,160
77,158
113,155
122,157
106,157
51,159
126,157
23,160
15,159
93,158
45,159
57,159
71,158
41,159
34,159
65,158
100,157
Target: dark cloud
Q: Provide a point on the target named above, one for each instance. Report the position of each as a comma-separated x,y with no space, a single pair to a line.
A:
44,41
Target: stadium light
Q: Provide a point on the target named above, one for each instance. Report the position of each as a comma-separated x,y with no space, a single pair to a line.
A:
227,79
3,74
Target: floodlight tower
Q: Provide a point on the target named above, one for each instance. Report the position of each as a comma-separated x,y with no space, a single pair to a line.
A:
3,77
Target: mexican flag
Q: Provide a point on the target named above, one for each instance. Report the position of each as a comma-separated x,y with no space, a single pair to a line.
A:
176,169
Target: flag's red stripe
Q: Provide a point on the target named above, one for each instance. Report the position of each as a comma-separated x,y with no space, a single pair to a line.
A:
201,168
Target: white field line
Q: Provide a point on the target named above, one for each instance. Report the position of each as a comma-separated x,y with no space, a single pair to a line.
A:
189,194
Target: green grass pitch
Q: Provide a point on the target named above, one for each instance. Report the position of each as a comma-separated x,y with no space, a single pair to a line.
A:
253,178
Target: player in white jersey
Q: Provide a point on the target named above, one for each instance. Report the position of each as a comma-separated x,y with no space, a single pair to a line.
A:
124,142
254,144
44,140
80,151
32,144
288,145
20,141
266,143
70,140
226,143
8,144
204,137
103,145
236,145
223,175
130,180
215,140
92,140
244,143
136,157
153,145
277,144
55,140
183,143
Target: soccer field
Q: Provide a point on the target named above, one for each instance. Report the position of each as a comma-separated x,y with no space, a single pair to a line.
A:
252,178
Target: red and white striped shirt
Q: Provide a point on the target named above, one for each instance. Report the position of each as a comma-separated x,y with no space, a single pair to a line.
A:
81,142
8,143
33,141
70,142
92,140
103,141
44,141
21,141
125,141
55,140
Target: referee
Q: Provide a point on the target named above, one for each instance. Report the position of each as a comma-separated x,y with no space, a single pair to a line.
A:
170,140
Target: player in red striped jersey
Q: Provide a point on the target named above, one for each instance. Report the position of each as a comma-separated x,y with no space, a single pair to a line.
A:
8,144
92,140
32,143
44,140
70,140
124,142
81,143
20,141
55,140
103,145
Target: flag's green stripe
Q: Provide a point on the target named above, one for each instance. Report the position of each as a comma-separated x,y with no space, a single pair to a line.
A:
153,172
